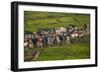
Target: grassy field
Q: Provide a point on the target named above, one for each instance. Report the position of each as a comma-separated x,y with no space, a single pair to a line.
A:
76,50
65,52
35,20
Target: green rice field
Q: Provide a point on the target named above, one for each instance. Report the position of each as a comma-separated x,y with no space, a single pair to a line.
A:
77,50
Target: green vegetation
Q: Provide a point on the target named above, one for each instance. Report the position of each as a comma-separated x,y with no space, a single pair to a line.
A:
76,50
35,20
